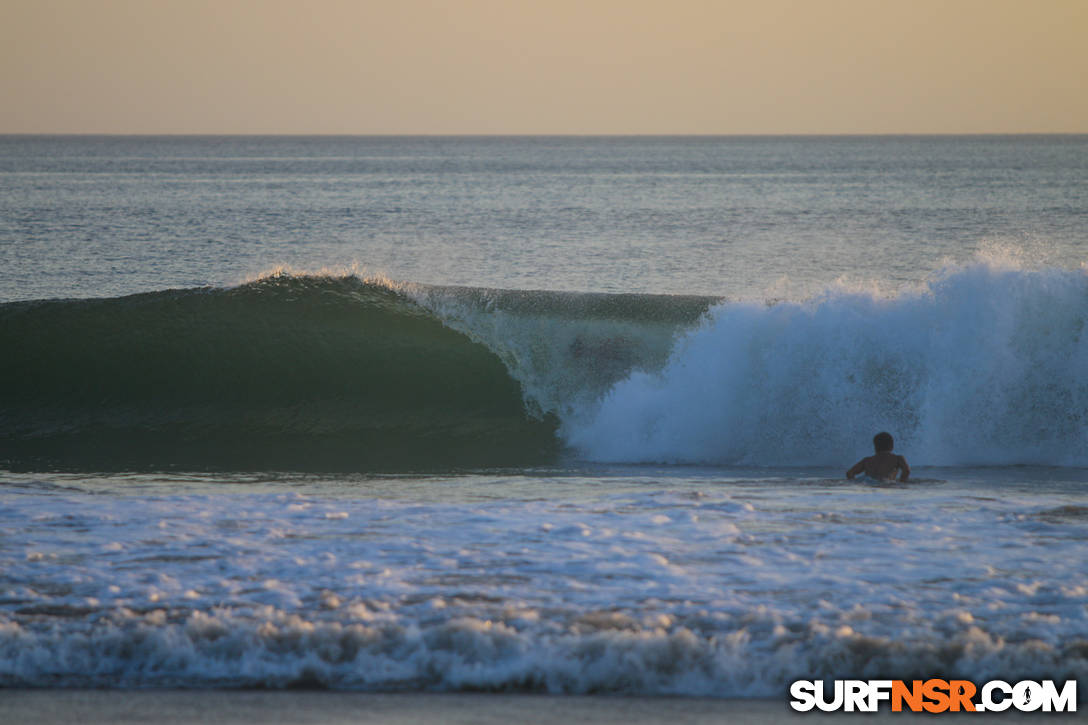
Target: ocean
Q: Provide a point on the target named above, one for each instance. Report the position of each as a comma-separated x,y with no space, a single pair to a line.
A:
550,415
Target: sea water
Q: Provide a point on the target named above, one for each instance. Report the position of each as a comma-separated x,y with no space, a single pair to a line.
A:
541,414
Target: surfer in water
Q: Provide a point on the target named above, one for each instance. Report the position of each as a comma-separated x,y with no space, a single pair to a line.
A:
882,465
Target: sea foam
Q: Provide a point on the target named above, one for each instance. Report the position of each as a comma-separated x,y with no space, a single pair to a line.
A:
733,590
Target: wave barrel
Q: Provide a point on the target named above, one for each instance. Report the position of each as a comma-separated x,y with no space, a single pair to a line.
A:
281,374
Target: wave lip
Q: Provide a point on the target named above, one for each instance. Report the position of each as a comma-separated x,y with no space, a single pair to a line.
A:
301,373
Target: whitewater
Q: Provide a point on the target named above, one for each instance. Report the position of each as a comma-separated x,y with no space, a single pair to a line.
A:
577,424
984,365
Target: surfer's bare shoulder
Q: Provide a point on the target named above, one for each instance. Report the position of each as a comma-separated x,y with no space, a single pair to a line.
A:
882,466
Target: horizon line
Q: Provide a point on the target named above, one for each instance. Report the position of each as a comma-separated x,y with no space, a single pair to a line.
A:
544,134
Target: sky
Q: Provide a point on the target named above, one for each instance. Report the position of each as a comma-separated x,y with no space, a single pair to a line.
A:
544,66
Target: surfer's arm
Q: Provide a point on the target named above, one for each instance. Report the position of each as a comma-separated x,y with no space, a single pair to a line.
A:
856,469
904,469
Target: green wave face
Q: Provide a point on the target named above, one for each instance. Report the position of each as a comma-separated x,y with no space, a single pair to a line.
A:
286,373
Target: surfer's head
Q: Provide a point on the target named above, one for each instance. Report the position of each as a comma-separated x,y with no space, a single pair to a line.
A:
883,442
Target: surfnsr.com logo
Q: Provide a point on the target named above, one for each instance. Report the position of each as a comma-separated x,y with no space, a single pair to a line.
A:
934,695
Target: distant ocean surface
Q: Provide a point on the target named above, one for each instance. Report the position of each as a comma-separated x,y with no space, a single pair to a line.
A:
541,414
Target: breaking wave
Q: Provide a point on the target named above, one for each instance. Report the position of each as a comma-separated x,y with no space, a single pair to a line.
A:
614,654
985,363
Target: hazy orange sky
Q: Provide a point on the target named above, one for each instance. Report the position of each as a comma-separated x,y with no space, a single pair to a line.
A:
543,66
